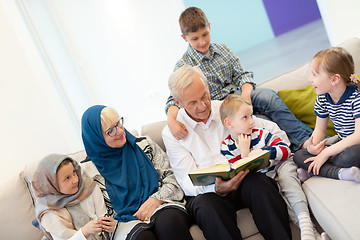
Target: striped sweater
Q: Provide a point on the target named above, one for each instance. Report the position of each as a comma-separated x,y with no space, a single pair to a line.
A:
260,139
343,113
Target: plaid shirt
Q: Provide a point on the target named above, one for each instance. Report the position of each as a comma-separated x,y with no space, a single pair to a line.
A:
222,70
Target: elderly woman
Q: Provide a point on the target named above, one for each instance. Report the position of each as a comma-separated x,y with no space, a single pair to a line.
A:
148,202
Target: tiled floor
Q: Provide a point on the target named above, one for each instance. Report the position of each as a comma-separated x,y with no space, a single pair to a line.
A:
285,52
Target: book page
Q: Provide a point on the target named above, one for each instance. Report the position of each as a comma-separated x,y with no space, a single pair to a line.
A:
207,175
221,167
247,159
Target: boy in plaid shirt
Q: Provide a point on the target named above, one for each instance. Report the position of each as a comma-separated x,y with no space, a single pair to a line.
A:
225,76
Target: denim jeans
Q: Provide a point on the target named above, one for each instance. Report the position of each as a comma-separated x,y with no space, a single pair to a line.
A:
267,102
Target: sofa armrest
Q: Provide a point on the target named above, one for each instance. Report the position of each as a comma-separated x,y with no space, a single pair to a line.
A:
17,210
335,205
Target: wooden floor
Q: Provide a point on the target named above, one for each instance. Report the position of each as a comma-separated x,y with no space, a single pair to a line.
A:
285,52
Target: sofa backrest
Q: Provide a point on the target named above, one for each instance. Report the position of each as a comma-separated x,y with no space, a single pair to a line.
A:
298,78
154,130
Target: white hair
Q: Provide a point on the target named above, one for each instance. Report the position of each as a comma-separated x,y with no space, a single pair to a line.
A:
108,117
182,78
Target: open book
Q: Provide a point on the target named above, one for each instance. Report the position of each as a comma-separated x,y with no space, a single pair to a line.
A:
207,175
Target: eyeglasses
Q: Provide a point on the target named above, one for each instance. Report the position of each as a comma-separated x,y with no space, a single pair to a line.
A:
112,131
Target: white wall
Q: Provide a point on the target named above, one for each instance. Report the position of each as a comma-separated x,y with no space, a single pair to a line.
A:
123,52
341,19
33,121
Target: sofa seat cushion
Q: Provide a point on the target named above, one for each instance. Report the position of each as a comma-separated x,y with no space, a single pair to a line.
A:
245,222
247,227
335,205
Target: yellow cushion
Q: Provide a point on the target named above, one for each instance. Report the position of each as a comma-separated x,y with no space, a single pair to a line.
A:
301,102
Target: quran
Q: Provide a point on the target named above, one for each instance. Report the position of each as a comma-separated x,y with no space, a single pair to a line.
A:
207,175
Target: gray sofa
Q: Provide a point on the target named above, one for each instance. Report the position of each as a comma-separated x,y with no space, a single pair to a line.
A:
334,204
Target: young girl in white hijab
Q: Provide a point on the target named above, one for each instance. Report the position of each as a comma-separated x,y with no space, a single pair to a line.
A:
69,204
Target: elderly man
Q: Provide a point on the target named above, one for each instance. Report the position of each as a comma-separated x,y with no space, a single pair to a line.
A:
214,207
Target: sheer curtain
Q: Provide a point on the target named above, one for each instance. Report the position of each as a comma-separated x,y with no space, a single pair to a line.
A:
116,53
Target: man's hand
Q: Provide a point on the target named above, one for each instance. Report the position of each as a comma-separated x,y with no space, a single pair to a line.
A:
315,149
177,129
224,187
147,209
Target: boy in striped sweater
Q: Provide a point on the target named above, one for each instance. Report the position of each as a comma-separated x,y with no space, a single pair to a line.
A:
246,139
